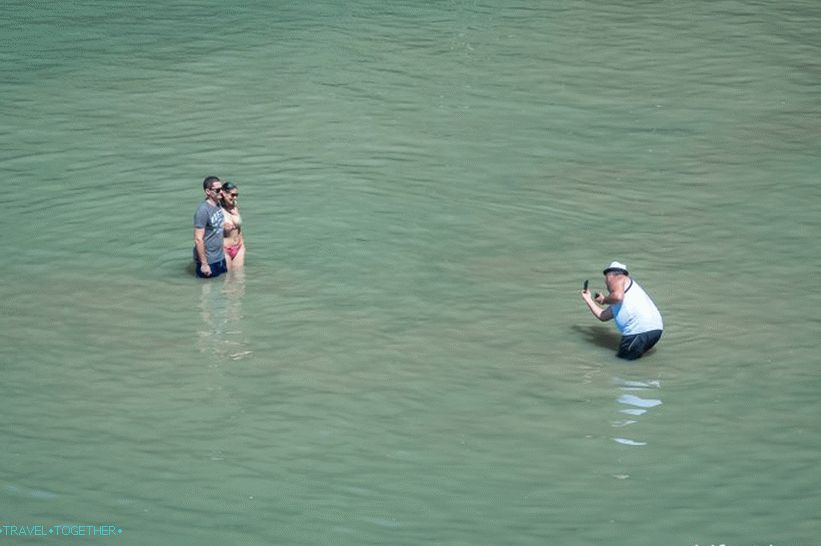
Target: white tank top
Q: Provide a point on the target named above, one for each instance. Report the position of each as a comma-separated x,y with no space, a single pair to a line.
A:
636,313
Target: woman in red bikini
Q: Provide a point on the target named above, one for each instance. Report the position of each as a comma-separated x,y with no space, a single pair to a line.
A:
232,229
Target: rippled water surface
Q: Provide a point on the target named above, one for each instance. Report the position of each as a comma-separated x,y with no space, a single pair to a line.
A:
406,358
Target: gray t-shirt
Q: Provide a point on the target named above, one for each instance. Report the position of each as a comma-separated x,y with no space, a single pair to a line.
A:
210,217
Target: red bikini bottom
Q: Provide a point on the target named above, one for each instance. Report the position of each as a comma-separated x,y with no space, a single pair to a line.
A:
233,250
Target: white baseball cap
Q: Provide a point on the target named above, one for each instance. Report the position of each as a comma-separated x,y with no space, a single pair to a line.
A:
616,267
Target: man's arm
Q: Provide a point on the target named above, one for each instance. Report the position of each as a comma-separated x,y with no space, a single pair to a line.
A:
199,245
614,297
601,314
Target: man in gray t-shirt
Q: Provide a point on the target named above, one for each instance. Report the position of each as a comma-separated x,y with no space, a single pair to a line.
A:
209,257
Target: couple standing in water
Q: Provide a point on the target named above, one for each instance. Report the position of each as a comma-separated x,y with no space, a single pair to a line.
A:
218,244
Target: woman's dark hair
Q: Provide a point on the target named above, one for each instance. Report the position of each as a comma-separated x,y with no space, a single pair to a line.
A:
228,186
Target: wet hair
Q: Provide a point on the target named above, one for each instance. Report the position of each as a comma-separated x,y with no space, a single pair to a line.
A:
206,184
228,186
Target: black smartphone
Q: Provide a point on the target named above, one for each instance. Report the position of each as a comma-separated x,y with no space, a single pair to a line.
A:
585,285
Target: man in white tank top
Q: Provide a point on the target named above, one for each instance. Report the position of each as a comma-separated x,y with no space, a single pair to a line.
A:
637,317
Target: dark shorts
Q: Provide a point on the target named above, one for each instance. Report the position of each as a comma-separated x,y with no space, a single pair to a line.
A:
632,347
217,269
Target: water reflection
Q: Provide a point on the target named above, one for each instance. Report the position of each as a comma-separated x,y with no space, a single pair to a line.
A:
639,397
635,396
221,311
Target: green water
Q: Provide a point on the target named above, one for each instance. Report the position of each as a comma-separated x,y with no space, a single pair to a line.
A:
406,358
